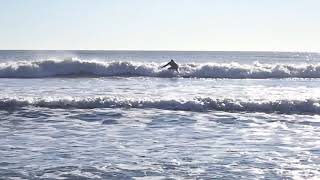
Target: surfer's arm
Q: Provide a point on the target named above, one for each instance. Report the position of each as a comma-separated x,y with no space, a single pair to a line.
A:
165,65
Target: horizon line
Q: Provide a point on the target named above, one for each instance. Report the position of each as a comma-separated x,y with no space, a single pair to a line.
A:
161,50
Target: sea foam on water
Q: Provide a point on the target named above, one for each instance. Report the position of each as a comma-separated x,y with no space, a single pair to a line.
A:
77,67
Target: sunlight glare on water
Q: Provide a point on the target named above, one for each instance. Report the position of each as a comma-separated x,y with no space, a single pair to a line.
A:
157,124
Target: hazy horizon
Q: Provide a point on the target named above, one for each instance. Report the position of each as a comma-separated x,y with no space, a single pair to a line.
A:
151,50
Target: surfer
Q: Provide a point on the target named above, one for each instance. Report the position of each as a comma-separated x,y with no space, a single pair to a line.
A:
173,65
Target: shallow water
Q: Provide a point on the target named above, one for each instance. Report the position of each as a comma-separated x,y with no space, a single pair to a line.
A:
129,143
142,127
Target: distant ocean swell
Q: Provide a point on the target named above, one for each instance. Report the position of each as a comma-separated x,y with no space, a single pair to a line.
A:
308,106
76,67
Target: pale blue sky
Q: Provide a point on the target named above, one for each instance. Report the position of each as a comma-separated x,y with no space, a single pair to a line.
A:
267,25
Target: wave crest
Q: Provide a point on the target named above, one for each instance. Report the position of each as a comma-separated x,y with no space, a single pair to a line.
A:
76,67
308,106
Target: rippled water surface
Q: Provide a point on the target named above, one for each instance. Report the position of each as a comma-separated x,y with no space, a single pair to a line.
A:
133,143
139,126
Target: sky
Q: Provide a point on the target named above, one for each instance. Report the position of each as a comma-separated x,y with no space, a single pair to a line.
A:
209,25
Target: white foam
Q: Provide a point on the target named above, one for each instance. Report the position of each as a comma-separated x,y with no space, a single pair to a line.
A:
76,67
308,106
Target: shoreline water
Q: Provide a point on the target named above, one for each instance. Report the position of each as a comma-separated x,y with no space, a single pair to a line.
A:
131,120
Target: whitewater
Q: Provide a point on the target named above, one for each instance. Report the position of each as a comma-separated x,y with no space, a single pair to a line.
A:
308,106
118,115
77,67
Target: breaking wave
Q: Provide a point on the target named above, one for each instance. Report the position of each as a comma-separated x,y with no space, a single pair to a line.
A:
308,106
76,67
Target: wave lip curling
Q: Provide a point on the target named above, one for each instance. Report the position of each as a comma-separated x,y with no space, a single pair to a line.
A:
76,67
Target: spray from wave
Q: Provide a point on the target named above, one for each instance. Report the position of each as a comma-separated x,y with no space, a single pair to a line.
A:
308,106
76,67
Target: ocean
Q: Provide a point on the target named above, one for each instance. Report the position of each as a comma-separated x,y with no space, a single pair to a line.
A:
118,115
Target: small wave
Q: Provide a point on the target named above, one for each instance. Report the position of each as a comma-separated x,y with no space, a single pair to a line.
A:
308,106
76,67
